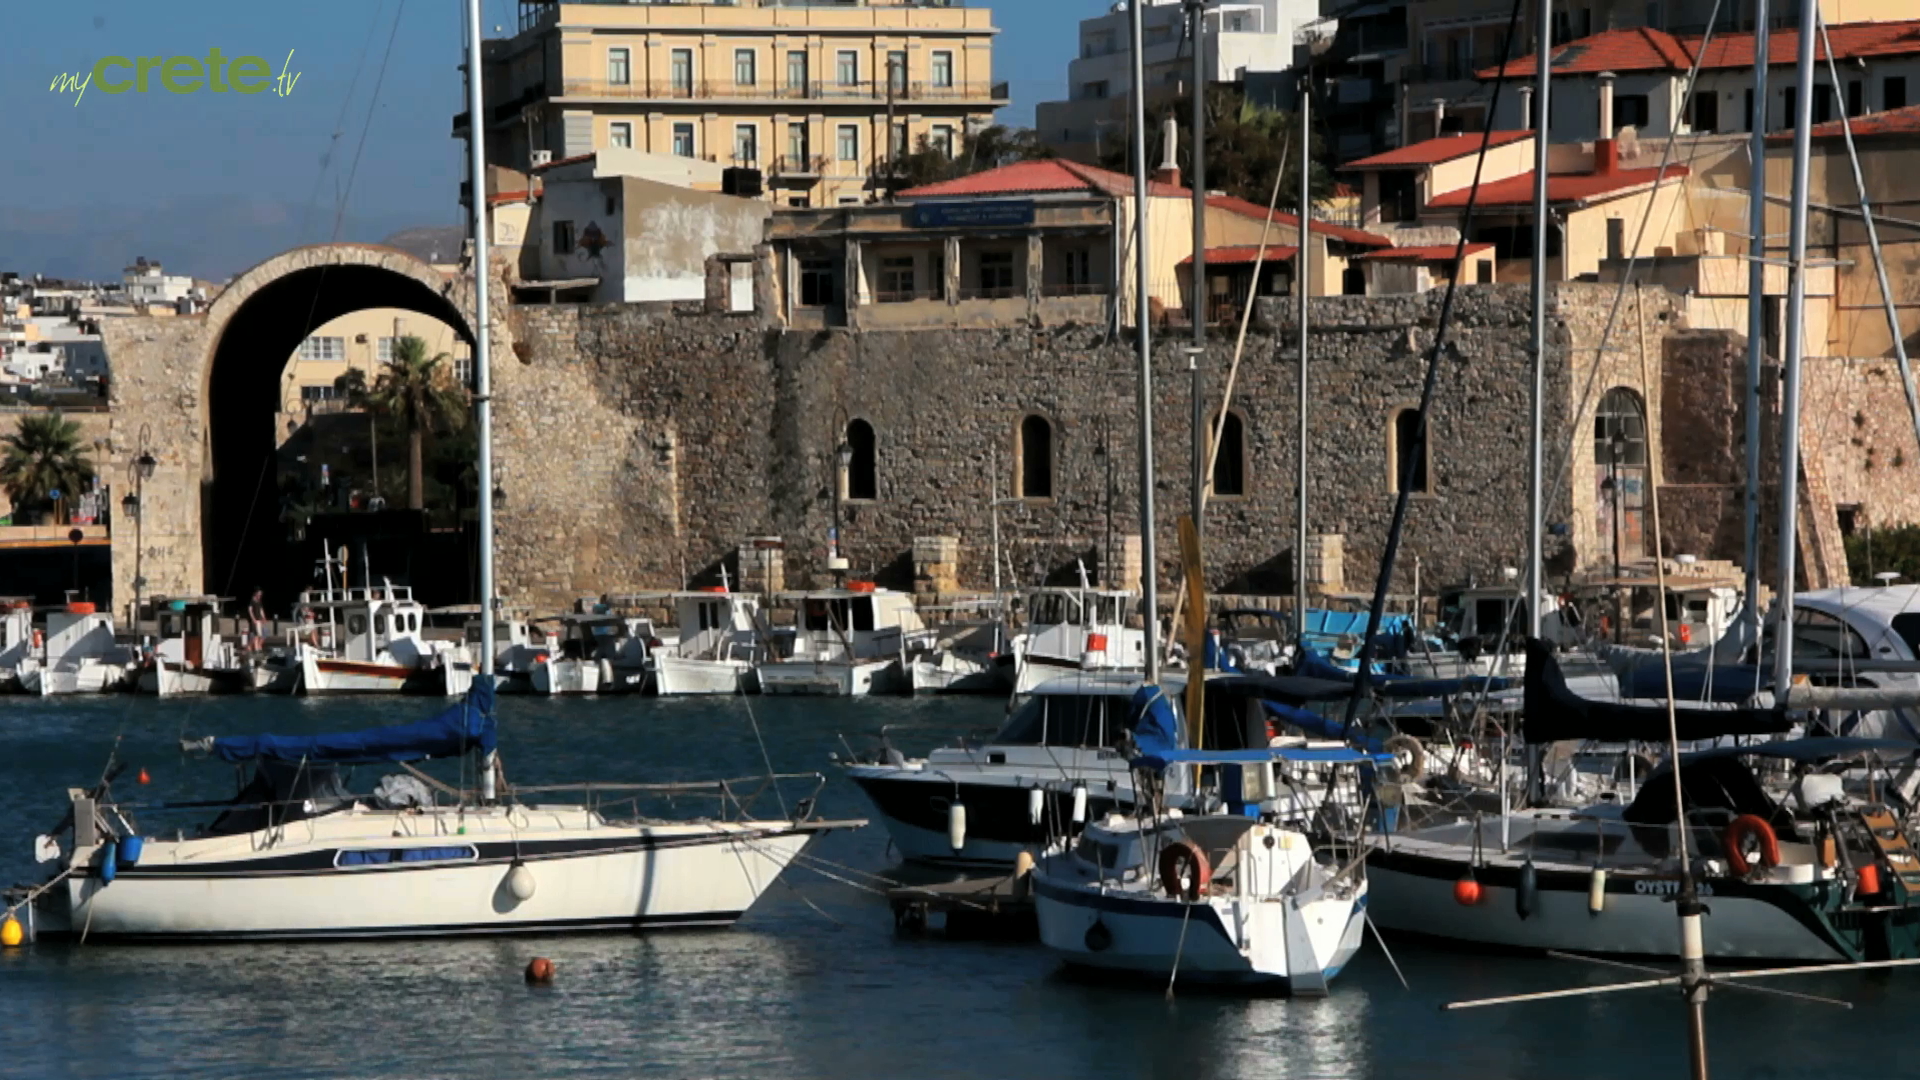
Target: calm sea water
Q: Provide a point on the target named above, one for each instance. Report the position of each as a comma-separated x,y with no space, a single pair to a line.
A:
791,991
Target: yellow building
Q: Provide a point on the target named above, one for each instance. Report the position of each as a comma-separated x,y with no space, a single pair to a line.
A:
363,340
800,91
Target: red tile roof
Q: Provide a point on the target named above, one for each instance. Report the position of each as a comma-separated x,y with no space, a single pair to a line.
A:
1047,176
557,162
1645,49
499,197
1233,204
1243,255
1892,122
1435,151
1437,253
1562,188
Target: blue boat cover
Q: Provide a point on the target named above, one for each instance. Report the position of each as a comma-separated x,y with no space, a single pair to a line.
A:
1157,732
1156,727
466,725
1386,684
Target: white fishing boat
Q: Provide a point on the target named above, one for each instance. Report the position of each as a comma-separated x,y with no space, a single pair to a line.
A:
294,855
1077,629
80,654
191,656
849,642
363,640
721,643
599,653
20,643
973,656
1235,895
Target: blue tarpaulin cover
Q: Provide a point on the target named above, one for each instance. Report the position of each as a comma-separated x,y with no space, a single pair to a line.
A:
467,725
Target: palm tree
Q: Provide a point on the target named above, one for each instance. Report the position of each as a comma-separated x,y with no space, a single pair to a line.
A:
421,394
41,458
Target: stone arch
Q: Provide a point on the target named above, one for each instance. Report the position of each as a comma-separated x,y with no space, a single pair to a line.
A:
195,388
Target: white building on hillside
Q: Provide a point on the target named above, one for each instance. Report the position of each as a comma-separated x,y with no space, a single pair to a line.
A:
1240,36
145,283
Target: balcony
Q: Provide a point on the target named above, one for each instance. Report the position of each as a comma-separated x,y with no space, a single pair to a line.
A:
1455,70
800,167
728,90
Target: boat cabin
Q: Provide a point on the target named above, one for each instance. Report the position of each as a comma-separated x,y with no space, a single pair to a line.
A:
78,631
16,632
1479,618
1627,610
716,621
364,623
618,639
859,622
187,628
1085,627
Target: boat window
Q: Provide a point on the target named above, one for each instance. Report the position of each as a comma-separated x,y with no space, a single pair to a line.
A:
356,623
1027,725
380,623
1055,609
1907,625
1075,720
1818,634
391,856
863,614
1105,856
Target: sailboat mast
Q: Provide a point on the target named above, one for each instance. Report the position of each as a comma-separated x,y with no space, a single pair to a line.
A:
1794,347
1536,468
1300,405
1756,306
1143,340
482,373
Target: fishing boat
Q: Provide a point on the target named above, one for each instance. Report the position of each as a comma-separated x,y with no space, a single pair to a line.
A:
294,855
1077,629
597,653
972,656
19,642
80,654
363,640
850,642
721,643
191,655
1233,894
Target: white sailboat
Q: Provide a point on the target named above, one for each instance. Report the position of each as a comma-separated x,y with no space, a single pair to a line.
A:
294,856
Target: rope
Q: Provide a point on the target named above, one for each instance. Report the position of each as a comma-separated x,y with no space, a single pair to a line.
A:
765,758
1179,949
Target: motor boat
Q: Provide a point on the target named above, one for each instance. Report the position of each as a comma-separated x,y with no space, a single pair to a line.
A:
80,654
849,642
191,656
594,653
1077,629
721,642
360,640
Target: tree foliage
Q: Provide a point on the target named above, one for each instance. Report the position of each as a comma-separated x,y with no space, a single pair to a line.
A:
990,148
420,394
1246,144
43,455
1875,551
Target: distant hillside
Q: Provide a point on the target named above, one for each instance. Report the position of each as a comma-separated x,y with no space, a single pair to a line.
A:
208,236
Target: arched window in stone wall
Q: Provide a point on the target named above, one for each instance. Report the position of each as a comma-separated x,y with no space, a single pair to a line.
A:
1409,460
1033,457
863,472
1620,473
1230,459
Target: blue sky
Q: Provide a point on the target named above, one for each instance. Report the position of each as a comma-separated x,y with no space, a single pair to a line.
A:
140,167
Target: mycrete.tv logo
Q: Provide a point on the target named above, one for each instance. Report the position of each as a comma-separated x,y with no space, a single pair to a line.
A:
179,75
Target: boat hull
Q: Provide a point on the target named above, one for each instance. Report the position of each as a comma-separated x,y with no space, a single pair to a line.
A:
959,677
832,678
88,677
319,675
676,675
164,681
1413,894
913,804
608,878
1273,942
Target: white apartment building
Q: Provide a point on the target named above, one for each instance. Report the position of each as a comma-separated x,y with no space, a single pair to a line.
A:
1240,36
146,283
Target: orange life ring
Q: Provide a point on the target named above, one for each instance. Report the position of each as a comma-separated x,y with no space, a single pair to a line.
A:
80,607
1686,633
1184,871
1738,831
860,586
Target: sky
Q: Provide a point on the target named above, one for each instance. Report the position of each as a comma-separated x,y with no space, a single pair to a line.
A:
211,183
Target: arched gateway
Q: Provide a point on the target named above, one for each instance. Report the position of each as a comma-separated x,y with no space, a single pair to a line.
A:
202,392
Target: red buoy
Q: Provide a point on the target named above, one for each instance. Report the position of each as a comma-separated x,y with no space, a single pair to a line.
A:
1870,879
539,971
1466,891
144,778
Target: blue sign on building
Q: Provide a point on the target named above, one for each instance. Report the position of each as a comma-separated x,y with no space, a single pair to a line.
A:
993,213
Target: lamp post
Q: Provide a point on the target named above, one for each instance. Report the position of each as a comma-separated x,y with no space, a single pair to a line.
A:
837,562
139,470
1616,448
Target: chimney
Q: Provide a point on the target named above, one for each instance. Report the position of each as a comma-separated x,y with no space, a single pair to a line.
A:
1169,170
1526,107
1606,153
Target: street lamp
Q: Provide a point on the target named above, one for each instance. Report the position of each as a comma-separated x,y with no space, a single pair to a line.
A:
139,470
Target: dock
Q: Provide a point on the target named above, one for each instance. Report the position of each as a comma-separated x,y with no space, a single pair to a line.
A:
971,909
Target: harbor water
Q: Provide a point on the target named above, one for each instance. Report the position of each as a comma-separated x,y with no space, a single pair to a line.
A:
814,982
